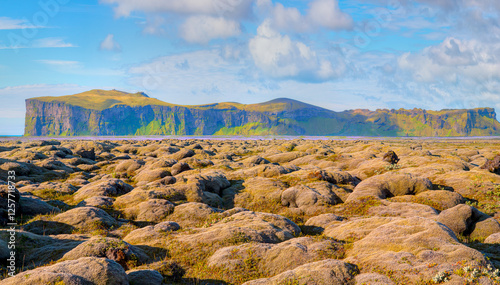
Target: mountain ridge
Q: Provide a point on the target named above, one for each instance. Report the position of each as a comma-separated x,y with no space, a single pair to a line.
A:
113,112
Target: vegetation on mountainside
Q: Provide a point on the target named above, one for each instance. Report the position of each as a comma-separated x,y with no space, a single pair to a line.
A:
100,112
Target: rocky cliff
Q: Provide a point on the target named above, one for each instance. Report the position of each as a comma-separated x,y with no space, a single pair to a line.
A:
112,113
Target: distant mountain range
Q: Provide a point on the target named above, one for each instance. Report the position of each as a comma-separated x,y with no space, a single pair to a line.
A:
114,113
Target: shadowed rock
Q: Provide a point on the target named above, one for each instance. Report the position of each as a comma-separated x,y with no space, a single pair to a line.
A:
467,220
32,206
144,277
180,167
391,157
493,165
6,204
88,154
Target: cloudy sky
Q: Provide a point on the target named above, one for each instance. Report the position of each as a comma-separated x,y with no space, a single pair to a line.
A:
338,54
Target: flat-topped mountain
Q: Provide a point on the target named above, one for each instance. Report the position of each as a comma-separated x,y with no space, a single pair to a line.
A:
111,113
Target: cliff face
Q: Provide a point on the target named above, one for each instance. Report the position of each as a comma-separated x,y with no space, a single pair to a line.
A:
119,113
418,122
60,119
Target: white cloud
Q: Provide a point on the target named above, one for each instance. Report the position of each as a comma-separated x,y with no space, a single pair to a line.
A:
280,57
42,43
327,14
285,18
188,76
202,29
15,24
454,60
231,52
51,43
60,63
154,25
321,14
453,52
227,8
210,78
456,73
221,19
202,21
109,43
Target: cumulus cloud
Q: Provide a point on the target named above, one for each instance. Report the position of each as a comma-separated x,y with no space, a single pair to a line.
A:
220,19
285,18
226,8
279,56
202,29
326,13
193,78
201,21
456,73
454,60
210,78
321,14
109,43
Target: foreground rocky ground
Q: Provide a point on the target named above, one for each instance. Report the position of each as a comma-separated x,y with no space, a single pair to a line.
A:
253,211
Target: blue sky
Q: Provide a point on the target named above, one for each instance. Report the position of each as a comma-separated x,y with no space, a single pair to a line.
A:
338,54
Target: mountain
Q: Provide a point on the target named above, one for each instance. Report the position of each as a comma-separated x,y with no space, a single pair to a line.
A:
112,113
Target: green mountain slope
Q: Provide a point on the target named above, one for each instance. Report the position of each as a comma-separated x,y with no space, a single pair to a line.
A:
100,112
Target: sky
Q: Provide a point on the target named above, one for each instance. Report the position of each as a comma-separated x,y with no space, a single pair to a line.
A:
337,54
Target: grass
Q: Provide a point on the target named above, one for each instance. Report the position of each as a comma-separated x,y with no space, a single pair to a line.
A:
248,269
125,229
102,99
400,276
96,228
194,259
358,207
485,195
292,180
424,201
246,130
51,194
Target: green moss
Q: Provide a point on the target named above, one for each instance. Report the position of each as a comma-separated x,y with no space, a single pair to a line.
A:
200,129
360,206
279,116
154,127
248,129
